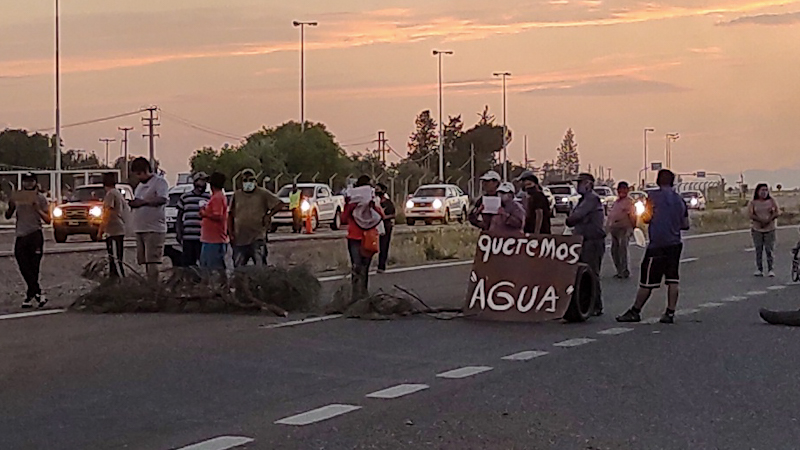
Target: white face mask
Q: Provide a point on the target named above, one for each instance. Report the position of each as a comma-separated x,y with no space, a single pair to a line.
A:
249,186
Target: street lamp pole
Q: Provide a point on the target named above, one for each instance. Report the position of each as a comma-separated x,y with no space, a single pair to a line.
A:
57,145
302,26
670,137
646,130
504,75
439,54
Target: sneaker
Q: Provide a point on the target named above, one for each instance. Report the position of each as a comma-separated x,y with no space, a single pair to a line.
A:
630,316
771,274
381,271
759,273
41,300
667,318
27,304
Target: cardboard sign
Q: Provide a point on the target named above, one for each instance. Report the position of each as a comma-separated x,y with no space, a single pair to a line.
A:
23,197
522,278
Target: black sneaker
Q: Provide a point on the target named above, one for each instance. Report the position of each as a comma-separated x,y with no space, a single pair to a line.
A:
667,318
41,300
27,304
630,316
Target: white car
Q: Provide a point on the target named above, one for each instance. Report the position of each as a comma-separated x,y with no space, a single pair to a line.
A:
319,204
694,200
443,202
566,197
174,195
607,196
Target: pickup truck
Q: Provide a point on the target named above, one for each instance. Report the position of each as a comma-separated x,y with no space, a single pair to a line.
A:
318,203
82,212
443,202
566,197
607,197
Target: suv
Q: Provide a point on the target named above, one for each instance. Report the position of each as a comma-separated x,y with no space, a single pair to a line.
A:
318,203
82,213
607,196
566,196
442,202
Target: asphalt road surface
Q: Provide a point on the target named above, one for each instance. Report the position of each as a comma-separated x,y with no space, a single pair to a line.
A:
717,379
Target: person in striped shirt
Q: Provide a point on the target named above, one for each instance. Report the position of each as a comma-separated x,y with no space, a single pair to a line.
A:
187,226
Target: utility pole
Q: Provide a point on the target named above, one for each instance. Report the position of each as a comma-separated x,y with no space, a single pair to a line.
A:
303,26
382,146
646,164
57,143
439,54
107,141
472,170
125,130
504,75
151,122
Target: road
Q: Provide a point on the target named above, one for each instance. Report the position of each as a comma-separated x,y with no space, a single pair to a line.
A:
718,379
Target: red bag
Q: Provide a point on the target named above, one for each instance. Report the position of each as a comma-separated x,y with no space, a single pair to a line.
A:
370,243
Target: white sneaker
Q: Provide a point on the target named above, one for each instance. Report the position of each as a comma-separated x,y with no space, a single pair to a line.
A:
771,274
759,273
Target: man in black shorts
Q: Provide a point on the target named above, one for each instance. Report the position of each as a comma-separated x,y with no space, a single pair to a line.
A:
667,216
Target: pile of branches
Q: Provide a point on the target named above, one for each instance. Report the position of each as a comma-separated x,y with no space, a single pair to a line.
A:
384,305
273,290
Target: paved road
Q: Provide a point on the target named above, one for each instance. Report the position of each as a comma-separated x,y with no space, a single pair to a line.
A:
717,379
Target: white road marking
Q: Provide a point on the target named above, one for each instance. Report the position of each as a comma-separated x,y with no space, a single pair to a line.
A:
318,415
734,298
753,293
651,320
525,356
776,288
398,391
574,342
45,312
463,372
656,332
402,270
750,250
686,312
615,331
302,321
729,233
688,260
710,305
219,443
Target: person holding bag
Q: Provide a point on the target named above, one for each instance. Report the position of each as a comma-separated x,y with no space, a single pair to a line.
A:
363,214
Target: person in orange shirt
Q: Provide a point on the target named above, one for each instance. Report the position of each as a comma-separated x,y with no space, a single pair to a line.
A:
362,213
214,226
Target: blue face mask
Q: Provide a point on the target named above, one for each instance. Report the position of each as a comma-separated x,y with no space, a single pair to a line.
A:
249,186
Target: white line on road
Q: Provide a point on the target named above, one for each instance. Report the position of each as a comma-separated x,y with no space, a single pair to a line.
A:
45,312
402,270
525,356
734,298
710,305
463,372
318,415
688,260
651,320
754,293
574,342
776,288
398,391
686,312
615,331
302,321
219,443
750,249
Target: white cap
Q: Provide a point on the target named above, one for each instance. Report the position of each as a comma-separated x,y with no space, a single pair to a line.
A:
491,176
506,187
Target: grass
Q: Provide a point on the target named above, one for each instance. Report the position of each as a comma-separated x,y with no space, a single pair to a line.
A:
731,219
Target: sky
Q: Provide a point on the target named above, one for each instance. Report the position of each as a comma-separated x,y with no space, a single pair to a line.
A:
722,73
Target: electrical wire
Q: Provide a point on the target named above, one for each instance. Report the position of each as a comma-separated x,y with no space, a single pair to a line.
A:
89,122
198,127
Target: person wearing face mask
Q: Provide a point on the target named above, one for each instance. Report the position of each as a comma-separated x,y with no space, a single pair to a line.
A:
763,212
510,217
588,219
188,222
537,207
32,210
251,211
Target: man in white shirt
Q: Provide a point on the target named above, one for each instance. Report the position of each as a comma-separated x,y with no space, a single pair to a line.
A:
149,216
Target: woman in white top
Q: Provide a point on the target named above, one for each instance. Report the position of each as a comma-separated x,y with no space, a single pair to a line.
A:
763,213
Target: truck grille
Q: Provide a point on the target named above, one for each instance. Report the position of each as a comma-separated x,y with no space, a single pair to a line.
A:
75,213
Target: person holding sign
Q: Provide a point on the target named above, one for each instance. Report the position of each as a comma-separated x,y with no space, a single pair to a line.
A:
588,221
480,213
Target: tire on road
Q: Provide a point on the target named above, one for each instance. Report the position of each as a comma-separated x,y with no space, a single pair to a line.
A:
273,228
337,220
584,296
60,235
788,318
446,218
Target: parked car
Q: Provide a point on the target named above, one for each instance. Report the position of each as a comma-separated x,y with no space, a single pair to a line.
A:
694,200
174,195
443,202
566,197
82,212
607,196
319,204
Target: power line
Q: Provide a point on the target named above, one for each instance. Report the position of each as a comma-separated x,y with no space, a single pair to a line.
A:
89,122
199,127
357,143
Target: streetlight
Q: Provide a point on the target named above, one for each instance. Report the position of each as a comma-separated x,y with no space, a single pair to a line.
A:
504,75
439,53
58,104
302,26
670,137
646,130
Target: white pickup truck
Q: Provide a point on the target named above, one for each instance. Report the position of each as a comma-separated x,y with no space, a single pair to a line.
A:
318,203
443,202
566,197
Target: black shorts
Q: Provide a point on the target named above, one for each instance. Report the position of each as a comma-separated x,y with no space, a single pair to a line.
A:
661,264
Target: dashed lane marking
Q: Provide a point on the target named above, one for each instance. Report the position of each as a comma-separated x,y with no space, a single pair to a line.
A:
45,312
574,342
525,356
776,288
651,320
754,293
686,312
750,249
689,260
615,331
318,415
302,321
398,391
219,443
710,305
734,298
464,372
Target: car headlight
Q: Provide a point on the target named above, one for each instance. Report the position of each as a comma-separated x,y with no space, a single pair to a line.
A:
693,201
305,206
639,208
409,204
437,204
96,211
58,212
565,200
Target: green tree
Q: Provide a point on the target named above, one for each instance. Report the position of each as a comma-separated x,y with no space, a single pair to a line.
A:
568,160
424,141
20,149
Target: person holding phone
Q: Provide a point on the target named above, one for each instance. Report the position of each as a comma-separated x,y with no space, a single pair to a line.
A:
149,216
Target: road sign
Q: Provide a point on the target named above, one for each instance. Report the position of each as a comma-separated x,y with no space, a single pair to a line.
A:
701,174
656,166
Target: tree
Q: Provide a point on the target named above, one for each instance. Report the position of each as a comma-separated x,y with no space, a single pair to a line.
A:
424,141
779,187
568,160
22,150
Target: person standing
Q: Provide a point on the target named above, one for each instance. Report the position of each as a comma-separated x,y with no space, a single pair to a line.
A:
295,201
214,226
250,216
537,206
188,222
621,222
763,212
588,219
389,214
667,215
362,215
112,225
149,216
490,182
31,211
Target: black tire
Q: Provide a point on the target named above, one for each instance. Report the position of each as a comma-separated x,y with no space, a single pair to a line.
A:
315,221
463,216
428,221
581,306
446,218
94,236
411,222
788,318
60,235
337,220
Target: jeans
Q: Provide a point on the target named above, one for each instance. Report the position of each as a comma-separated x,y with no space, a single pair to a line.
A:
359,271
385,243
28,252
764,241
212,256
191,252
619,250
116,251
257,252
592,255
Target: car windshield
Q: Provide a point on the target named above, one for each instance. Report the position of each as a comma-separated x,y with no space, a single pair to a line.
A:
429,192
690,194
286,190
88,194
561,190
602,191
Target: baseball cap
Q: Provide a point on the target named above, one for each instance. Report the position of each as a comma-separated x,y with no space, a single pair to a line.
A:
585,177
200,176
528,175
248,173
28,176
491,176
508,188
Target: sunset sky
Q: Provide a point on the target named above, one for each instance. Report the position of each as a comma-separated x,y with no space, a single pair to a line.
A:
722,73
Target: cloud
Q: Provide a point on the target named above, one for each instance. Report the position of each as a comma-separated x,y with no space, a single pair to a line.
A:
765,19
605,86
